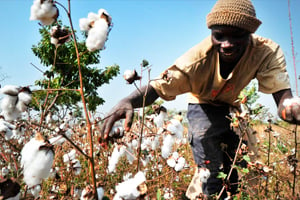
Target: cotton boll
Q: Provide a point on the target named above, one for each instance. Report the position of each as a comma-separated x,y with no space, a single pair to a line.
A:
167,146
175,127
76,166
6,128
46,12
36,161
92,17
160,118
171,162
97,35
58,140
8,103
129,189
100,192
204,174
84,24
114,159
180,164
69,156
10,90
35,190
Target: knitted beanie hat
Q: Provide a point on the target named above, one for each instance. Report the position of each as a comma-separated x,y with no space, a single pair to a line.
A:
238,13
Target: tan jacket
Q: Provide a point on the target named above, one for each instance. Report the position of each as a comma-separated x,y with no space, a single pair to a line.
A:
197,72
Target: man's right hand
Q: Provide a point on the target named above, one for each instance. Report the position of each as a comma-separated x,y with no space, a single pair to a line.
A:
125,109
122,110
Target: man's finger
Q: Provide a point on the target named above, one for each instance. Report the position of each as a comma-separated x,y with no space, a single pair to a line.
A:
128,120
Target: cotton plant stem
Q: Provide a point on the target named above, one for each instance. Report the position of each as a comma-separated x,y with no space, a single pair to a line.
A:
89,127
295,166
232,167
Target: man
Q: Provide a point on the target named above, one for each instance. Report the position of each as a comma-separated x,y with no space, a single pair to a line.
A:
213,73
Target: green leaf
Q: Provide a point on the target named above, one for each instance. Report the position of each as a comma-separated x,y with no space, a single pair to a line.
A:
158,194
222,175
246,158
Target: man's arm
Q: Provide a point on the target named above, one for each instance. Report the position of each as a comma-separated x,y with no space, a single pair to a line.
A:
288,107
125,109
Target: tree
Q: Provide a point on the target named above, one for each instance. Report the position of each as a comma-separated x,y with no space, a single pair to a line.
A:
60,84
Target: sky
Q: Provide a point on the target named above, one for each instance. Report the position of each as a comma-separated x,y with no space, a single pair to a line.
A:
156,30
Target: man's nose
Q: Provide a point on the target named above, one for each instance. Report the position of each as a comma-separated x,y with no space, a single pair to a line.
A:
226,44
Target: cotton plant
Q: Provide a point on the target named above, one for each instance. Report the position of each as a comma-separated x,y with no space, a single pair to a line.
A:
36,160
131,188
97,26
45,11
15,101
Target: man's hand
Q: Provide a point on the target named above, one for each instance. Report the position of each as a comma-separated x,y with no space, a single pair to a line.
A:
288,106
291,110
125,109
122,110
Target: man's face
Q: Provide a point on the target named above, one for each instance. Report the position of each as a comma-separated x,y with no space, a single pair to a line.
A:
231,42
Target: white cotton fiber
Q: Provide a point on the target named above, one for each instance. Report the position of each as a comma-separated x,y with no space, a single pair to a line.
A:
159,119
97,35
204,174
11,90
175,127
167,146
180,164
69,156
46,12
36,163
7,129
114,158
127,190
84,24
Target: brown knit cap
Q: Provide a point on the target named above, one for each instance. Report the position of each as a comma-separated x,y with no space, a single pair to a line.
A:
238,13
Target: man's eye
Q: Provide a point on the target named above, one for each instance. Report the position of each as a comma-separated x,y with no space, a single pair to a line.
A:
218,36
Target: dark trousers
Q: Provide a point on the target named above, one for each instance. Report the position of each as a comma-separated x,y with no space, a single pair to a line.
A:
213,144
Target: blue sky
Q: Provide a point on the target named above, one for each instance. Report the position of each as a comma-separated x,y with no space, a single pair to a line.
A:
156,30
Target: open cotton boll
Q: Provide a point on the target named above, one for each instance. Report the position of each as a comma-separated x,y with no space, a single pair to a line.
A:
84,24
11,90
6,128
128,190
36,161
100,192
175,127
58,140
97,35
180,164
160,118
76,166
167,146
69,156
35,191
8,103
171,162
92,17
46,12
114,158
204,174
